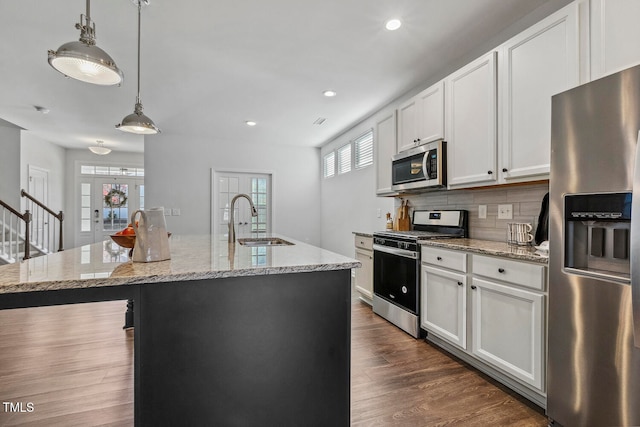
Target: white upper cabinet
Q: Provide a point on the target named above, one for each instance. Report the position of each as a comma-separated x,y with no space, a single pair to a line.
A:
471,118
407,124
431,119
385,135
615,33
533,66
421,118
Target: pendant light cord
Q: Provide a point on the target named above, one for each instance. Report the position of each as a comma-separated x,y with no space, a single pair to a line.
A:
139,13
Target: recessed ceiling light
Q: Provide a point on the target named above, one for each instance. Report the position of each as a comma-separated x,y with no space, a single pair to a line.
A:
250,123
329,93
393,24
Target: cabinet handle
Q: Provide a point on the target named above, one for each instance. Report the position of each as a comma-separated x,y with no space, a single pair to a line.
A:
473,287
505,170
459,283
490,172
501,270
439,258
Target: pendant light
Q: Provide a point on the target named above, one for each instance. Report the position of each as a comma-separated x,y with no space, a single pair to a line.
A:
83,60
137,122
100,149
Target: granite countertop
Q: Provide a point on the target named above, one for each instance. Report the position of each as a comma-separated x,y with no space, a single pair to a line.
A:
487,247
193,257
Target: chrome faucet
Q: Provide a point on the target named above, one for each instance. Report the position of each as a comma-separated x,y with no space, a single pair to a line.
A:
232,229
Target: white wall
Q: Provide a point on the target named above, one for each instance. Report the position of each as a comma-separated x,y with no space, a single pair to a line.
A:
10,164
349,201
178,176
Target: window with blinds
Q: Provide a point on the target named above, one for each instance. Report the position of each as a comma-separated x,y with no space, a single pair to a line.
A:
364,149
357,154
344,159
329,164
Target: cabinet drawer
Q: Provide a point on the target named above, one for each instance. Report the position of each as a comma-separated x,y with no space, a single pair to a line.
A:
453,260
364,242
520,273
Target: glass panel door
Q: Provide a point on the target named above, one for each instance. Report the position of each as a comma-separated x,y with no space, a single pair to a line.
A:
226,185
117,199
105,206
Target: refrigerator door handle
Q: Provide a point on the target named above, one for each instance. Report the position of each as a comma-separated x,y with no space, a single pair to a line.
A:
635,247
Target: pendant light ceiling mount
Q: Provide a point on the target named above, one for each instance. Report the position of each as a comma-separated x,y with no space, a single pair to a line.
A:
138,122
83,60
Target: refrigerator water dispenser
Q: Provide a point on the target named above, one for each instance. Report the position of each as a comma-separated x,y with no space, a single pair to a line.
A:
597,234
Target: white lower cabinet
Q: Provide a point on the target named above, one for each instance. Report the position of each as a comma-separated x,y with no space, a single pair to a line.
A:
489,311
508,329
364,274
444,305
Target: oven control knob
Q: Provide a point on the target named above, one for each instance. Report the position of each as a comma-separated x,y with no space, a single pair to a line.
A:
404,290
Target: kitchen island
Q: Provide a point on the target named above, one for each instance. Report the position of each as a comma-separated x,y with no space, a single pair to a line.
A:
224,334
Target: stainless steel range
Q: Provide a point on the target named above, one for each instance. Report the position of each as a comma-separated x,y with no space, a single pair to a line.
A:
396,265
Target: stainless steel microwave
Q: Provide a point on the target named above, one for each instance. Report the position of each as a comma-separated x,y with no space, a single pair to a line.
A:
422,167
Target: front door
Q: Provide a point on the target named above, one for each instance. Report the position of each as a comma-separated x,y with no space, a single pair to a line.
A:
106,206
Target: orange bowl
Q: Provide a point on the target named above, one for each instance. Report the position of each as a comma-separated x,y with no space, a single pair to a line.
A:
124,240
127,240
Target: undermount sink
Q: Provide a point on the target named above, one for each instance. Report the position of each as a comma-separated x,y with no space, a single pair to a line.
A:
263,241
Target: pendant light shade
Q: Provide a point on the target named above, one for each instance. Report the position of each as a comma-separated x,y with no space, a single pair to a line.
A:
138,122
83,60
100,149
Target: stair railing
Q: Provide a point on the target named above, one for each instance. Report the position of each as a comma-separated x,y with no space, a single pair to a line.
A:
10,228
42,235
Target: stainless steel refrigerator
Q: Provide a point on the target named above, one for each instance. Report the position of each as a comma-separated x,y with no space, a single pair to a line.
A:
593,372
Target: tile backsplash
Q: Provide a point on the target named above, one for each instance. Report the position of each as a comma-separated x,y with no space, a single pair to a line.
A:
526,201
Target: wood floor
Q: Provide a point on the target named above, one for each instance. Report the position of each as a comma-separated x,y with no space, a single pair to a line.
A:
397,380
73,362
75,365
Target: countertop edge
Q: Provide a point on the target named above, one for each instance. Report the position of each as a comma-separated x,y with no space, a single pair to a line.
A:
487,247
166,278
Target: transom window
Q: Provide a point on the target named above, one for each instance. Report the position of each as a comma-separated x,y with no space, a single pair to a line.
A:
110,170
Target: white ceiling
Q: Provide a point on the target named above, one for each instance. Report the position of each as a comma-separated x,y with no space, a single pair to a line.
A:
207,66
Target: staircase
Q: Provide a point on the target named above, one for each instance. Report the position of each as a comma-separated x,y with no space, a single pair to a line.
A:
29,234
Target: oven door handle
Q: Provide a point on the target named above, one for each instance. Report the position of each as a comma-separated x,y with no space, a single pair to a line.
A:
394,251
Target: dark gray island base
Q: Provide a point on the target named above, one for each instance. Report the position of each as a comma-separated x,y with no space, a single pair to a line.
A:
228,347
245,351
